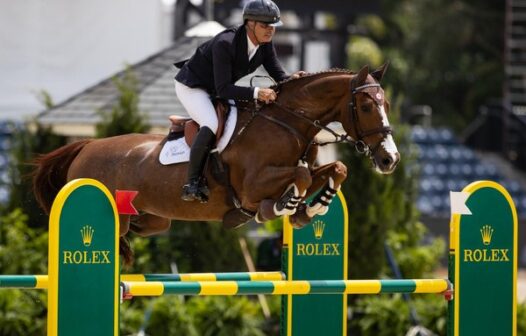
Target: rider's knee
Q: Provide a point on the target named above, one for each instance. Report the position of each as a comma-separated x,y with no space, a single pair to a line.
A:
213,126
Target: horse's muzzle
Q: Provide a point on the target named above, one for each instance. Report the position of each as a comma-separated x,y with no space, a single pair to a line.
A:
386,162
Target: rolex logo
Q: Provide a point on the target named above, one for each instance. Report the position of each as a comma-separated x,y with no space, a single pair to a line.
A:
87,235
486,232
318,227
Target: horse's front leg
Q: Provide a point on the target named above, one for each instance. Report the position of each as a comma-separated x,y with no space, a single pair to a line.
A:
267,190
327,179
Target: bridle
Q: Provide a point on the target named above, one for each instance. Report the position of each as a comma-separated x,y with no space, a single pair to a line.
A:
359,144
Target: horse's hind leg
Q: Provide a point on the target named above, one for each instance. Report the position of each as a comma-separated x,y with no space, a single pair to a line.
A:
328,180
124,246
144,225
147,225
124,224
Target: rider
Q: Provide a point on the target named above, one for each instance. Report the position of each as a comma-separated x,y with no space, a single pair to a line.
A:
212,71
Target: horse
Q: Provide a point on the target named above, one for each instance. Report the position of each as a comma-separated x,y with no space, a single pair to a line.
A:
270,160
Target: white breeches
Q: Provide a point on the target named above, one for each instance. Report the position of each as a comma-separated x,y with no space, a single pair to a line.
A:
198,105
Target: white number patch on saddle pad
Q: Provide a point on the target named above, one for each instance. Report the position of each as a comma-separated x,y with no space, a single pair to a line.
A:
177,151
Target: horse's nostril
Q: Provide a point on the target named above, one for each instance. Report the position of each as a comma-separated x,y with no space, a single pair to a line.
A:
386,162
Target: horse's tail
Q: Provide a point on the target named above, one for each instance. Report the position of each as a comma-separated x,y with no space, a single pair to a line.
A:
51,172
126,251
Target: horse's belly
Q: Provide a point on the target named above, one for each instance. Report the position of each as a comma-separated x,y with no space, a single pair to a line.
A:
168,204
129,163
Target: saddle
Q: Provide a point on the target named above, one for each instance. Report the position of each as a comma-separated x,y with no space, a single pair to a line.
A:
189,127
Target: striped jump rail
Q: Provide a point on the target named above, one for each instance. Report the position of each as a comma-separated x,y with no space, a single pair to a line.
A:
157,288
226,276
41,281
24,281
483,244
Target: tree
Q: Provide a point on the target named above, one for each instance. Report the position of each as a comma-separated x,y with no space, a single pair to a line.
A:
28,142
446,54
23,250
193,246
124,117
378,203
382,210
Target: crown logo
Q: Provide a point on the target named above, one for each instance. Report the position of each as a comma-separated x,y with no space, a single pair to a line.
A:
87,235
318,227
486,233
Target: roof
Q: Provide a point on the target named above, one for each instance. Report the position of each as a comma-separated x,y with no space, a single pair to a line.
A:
205,28
78,115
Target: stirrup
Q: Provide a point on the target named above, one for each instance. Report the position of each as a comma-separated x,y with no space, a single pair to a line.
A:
186,194
195,190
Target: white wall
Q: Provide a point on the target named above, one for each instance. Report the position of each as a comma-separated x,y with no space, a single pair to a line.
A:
63,46
317,55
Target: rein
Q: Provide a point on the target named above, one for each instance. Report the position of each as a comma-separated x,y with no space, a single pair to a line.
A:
359,144
339,138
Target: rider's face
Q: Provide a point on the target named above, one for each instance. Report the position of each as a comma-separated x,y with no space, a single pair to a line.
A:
263,31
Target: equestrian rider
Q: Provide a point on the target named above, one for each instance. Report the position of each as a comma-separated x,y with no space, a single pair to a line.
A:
212,71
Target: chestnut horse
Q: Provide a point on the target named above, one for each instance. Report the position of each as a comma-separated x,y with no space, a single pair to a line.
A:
270,158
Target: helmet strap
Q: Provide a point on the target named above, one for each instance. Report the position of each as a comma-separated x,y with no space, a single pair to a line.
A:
253,29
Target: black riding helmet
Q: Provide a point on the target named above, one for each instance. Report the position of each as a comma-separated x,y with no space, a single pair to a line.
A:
265,11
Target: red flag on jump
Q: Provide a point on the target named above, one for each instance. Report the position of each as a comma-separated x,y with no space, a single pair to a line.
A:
124,199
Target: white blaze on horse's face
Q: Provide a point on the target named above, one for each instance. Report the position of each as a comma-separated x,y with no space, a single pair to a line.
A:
388,144
372,128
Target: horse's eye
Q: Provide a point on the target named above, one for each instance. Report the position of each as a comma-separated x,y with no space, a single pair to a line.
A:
366,108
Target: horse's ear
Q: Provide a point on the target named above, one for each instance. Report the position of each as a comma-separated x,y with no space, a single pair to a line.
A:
361,76
378,74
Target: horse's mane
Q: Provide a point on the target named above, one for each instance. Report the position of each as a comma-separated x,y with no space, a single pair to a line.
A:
331,71
284,83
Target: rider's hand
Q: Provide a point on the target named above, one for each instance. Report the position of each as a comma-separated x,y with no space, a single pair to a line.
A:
298,74
267,95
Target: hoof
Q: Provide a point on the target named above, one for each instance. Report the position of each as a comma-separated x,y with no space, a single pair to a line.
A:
266,210
317,209
300,218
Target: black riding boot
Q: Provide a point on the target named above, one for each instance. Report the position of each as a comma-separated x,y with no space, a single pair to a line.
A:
196,188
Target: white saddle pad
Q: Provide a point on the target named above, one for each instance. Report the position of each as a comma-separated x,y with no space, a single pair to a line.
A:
177,151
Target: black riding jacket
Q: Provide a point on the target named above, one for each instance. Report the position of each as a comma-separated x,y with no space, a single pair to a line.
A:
221,61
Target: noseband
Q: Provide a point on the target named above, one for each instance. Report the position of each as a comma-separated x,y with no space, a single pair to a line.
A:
359,142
